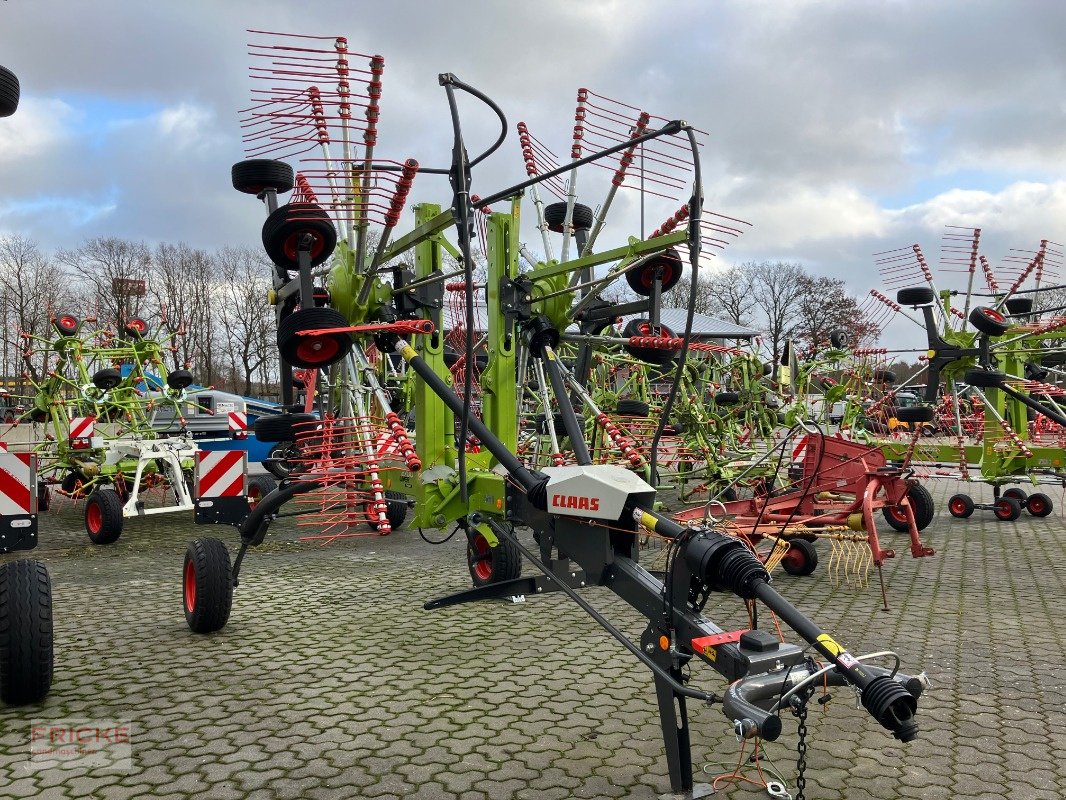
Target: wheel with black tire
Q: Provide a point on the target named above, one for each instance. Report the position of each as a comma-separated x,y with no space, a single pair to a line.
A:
179,379
207,585
135,327
44,496
884,376
801,558
915,296
492,564
259,486
555,215
726,398
1039,504
67,324
1007,509
984,378
922,506
9,92
768,369
651,355
395,510
284,229
317,351
26,651
666,264
914,414
633,408
73,484
257,175
282,459
107,379
960,506
989,321
1017,493
103,516
839,339
281,427
1019,306
38,415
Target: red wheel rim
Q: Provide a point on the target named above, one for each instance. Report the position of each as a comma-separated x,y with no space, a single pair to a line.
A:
647,276
1003,507
68,322
138,325
190,586
94,517
794,558
292,245
1036,505
898,513
254,495
958,506
482,558
991,313
317,349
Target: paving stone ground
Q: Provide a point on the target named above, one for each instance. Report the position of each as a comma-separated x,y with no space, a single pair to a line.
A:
330,681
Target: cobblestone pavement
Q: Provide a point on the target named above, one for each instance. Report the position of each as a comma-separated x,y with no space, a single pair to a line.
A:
330,681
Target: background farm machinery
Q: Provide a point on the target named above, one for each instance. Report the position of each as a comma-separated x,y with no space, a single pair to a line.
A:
465,465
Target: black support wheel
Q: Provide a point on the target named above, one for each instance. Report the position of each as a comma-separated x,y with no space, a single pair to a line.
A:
555,215
256,175
884,376
135,328
922,506
179,379
284,229
67,324
395,510
915,296
281,427
960,506
915,414
652,355
25,632
283,458
259,486
1019,306
1007,509
207,585
107,379
667,264
989,321
9,92
103,516
984,378
839,339
633,408
801,558
313,351
1017,493
1039,504
44,497
492,564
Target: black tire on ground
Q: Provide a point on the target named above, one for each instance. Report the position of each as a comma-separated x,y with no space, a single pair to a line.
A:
922,505
875,426
179,379
44,496
9,92
884,376
1017,493
1019,306
103,516
1039,504
652,355
915,296
66,324
989,321
107,379
555,214
259,486
1007,509
207,585
135,327
960,506
915,414
313,351
285,454
984,378
839,339
72,484
726,398
281,427
633,408
284,228
25,632
491,564
256,175
642,278
801,558
395,510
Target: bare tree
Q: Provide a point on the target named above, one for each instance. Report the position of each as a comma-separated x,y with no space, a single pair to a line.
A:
247,321
181,287
776,288
724,294
103,265
824,306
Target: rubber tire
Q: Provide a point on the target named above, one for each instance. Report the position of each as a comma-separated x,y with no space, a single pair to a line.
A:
207,570
259,486
107,379
283,228
726,398
44,497
922,504
135,328
9,92
839,339
633,408
960,506
983,378
256,175
71,482
884,376
395,510
1019,306
26,651
66,324
1042,502
179,379
640,280
110,509
804,558
989,321
1007,509
281,427
309,319
282,469
651,355
1017,493
916,414
501,563
555,213
915,296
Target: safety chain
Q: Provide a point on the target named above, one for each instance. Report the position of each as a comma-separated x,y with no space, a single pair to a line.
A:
799,709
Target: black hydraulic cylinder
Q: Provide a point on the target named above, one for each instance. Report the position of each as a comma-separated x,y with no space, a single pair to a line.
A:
566,411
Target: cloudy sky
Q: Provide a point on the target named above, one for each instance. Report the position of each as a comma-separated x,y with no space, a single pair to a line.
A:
838,129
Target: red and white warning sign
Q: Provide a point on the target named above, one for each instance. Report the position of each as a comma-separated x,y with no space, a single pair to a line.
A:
220,473
238,424
18,484
82,427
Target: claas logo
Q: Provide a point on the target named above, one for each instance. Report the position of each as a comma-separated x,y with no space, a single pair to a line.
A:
575,502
